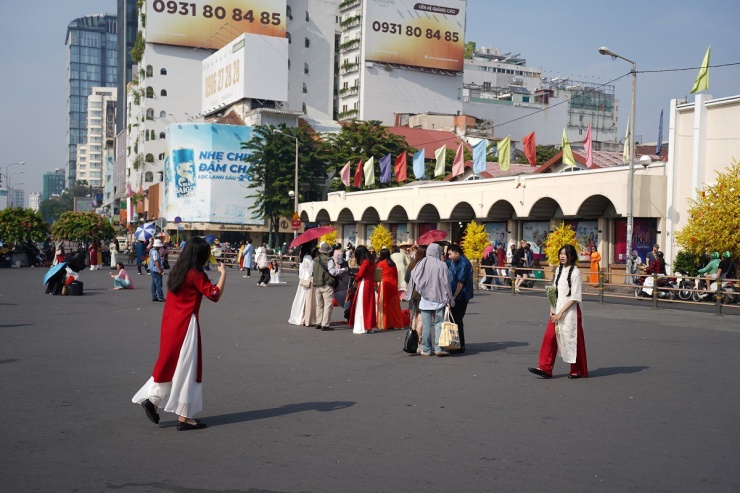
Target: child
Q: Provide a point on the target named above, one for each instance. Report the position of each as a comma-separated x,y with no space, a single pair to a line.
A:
121,280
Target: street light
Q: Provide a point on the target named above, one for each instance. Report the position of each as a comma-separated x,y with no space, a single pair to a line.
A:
6,171
630,215
294,194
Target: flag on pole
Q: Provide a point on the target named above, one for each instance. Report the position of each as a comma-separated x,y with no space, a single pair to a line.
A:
345,174
626,148
419,164
458,165
479,156
439,155
567,152
659,147
369,169
530,149
588,145
358,175
400,168
702,80
385,169
504,153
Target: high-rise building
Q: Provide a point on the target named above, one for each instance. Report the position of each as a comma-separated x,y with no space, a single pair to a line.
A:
34,201
127,19
91,156
54,184
16,197
92,61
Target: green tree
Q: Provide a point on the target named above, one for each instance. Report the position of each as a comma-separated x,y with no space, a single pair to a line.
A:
469,50
360,140
272,170
82,226
52,209
19,224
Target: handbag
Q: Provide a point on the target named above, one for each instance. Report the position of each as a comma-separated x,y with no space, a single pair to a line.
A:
449,337
411,344
306,283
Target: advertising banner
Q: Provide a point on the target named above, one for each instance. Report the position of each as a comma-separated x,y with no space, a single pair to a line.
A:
406,32
587,235
535,233
205,175
212,24
644,236
229,74
497,234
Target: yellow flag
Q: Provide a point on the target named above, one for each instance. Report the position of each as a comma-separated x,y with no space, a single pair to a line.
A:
503,147
439,155
568,158
702,80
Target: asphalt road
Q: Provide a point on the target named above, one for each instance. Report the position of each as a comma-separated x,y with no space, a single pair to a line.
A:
299,410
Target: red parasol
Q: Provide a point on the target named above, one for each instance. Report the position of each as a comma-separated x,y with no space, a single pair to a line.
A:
311,234
432,236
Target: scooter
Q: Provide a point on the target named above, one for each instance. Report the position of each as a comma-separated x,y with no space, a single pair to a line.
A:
645,287
729,292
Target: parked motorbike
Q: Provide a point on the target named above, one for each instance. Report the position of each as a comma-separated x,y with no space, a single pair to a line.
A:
645,286
729,292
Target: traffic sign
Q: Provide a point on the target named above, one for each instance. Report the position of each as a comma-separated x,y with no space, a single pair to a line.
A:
295,224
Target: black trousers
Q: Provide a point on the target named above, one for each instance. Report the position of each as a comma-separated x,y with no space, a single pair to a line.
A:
264,276
458,313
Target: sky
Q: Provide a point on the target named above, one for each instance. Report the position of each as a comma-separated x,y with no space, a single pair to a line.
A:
562,38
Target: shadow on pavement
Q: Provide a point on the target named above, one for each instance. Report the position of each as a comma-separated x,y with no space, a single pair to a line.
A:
14,325
485,347
227,419
615,370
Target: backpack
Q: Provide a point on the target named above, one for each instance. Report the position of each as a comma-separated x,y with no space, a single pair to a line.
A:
332,281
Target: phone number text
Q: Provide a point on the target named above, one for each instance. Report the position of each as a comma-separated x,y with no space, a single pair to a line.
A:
417,32
218,12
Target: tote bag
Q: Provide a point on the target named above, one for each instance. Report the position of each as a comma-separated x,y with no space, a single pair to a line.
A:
449,337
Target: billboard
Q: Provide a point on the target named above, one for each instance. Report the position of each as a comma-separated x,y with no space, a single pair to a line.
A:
212,24
644,236
587,235
229,74
535,233
405,32
497,233
205,175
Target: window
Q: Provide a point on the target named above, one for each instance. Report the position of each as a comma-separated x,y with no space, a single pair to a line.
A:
289,12
305,89
162,114
162,135
148,177
149,114
154,135
149,71
287,35
308,42
163,71
150,92
304,107
163,92
307,19
161,156
149,158
288,63
305,68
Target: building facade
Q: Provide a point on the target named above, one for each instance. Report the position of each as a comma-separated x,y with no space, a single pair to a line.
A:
54,184
92,58
127,24
92,156
34,201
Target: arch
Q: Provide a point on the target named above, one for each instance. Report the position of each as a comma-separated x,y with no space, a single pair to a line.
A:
148,177
163,92
597,206
545,208
345,216
149,114
149,158
501,209
149,71
150,92
462,212
428,214
163,114
398,215
304,217
163,71
323,217
370,216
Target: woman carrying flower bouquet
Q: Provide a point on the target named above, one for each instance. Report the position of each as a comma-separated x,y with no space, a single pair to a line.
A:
564,332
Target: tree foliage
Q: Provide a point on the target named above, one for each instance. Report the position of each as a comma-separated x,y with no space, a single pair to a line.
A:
475,241
380,238
360,140
469,50
689,263
272,170
82,226
563,235
19,224
544,154
52,209
714,217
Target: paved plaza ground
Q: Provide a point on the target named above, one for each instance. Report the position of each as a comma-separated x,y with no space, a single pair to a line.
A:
294,409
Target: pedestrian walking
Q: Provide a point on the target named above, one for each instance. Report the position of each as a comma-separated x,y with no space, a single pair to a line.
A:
564,332
115,249
461,286
363,316
176,382
325,279
595,261
263,266
304,295
248,262
93,249
140,251
157,270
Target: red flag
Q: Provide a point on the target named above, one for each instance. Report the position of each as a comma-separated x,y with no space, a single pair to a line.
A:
530,149
458,165
399,167
588,145
358,175
345,174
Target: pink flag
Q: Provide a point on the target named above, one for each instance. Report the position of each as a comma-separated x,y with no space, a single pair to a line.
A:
345,174
589,147
530,149
458,165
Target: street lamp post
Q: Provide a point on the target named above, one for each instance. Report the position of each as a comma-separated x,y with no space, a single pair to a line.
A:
295,182
630,204
6,171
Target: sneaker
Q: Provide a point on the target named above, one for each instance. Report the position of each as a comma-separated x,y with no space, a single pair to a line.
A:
425,354
418,350
442,354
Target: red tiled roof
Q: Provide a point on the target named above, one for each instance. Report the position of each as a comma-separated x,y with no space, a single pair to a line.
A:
602,159
430,140
494,171
649,150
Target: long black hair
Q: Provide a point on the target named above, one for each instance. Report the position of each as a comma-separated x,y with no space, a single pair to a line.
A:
572,255
194,256
362,253
386,255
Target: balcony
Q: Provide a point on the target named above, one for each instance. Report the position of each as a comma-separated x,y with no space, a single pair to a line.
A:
349,91
348,4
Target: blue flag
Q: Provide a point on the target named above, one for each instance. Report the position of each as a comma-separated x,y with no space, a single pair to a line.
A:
385,169
479,157
419,164
659,147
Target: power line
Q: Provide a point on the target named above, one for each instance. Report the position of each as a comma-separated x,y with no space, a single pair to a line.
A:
689,68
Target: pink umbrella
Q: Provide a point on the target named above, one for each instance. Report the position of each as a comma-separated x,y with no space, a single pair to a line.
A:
311,234
432,236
